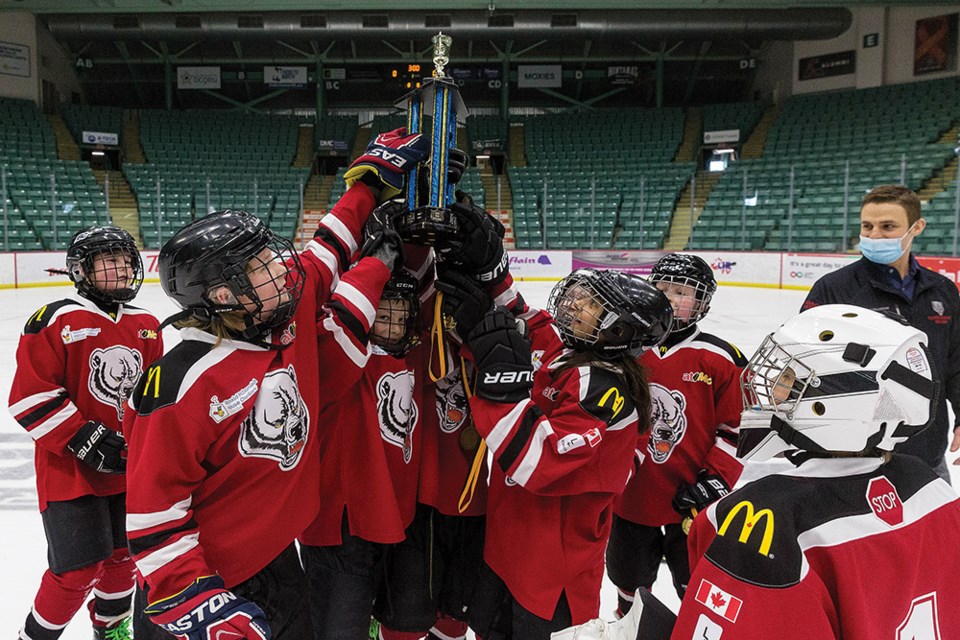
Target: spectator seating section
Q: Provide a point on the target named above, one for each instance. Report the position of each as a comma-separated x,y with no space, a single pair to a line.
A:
80,118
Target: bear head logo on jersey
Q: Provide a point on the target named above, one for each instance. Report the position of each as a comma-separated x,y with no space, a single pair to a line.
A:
452,407
279,423
669,422
114,373
397,410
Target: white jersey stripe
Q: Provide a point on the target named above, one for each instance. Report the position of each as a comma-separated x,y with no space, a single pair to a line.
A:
625,421
356,297
356,356
53,421
35,400
506,425
531,459
165,555
327,257
142,521
336,226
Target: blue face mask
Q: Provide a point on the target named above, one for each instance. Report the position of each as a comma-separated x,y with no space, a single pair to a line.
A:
883,250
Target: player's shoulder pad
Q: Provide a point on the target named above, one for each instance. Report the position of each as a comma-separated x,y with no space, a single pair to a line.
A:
42,316
733,352
604,395
160,384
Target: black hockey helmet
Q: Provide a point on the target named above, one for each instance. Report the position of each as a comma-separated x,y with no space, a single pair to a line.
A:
222,249
610,313
401,291
689,270
109,244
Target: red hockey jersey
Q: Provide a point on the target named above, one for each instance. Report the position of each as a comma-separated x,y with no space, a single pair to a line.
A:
370,444
558,461
837,548
695,389
223,439
77,362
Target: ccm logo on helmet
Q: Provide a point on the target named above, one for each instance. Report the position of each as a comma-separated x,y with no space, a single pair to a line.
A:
507,377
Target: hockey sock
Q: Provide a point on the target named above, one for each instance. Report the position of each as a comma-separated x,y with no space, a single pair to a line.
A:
447,628
112,596
624,602
58,600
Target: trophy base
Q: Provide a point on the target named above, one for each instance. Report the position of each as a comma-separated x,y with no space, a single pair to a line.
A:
428,226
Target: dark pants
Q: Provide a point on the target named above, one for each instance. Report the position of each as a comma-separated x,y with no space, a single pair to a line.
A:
84,531
634,553
279,589
496,615
342,581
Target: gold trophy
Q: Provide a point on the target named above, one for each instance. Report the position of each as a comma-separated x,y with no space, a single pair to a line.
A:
436,102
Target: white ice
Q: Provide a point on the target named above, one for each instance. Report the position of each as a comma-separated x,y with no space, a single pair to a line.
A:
742,316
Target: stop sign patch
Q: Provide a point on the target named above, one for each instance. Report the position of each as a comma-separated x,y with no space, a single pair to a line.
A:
885,501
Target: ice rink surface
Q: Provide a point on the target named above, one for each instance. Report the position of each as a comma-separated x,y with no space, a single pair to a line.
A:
743,316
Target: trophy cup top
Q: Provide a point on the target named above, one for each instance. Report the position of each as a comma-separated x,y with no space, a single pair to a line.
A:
441,52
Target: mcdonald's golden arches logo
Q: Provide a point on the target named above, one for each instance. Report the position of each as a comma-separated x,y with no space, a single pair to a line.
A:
617,400
750,523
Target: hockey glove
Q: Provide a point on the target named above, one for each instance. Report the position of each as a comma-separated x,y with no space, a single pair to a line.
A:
708,488
385,162
478,249
463,299
502,357
206,610
99,447
382,240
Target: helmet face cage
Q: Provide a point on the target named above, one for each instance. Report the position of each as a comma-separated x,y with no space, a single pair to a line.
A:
104,265
689,271
395,324
253,283
774,380
579,309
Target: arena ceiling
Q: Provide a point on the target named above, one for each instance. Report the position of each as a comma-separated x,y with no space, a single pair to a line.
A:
684,51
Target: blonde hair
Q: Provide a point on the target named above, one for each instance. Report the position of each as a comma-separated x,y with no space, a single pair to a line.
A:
223,326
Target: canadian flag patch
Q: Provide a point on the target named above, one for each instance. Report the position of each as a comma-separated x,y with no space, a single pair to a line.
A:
719,601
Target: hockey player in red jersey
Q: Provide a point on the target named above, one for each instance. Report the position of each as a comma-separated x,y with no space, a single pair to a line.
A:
223,430
77,362
690,450
370,442
855,542
563,444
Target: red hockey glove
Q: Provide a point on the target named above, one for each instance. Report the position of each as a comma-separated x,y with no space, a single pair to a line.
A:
99,447
206,610
699,495
386,161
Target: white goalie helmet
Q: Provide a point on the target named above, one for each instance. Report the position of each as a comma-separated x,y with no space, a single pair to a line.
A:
836,378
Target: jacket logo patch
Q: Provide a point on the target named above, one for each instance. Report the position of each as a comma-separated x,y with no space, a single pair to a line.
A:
613,396
452,405
397,411
220,411
937,307
279,424
697,376
751,520
114,373
669,420
885,501
147,334
289,333
707,629
536,359
550,393
576,440
68,336
719,601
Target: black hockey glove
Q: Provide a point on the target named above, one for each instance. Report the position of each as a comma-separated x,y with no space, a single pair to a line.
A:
382,240
99,447
502,357
463,299
478,248
708,488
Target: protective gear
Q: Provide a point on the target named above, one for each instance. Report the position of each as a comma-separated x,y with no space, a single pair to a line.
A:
223,249
883,250
400,307
99,447
610,313
502,358
386,160
690,271
381,238
119,631
697,496
463,299
206,610
477,248
836,378
111,244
